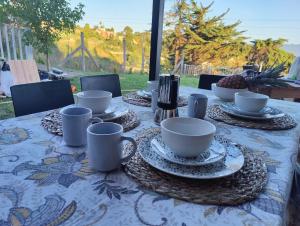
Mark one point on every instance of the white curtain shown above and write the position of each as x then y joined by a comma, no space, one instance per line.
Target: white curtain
6,81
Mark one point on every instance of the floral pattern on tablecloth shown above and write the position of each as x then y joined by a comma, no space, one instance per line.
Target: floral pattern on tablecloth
63,169
44,182
13,136
53,211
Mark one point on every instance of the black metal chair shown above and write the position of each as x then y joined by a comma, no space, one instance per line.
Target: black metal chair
42,96
109,83
205,80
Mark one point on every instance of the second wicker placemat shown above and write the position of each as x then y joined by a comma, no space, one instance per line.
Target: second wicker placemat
135,99
239,188
282,123
52,122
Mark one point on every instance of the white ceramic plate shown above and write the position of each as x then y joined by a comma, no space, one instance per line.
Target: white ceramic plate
144,94
112,113
259,113
215,153
268,112
265,110
232,163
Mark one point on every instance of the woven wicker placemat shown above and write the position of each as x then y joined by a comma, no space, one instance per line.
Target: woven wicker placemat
282,123
135,99
52,122
241,187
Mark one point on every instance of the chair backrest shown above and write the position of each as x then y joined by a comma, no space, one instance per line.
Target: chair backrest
205,80
109,83
24,71
42,96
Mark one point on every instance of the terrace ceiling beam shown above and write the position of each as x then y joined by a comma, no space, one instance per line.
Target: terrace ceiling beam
156,38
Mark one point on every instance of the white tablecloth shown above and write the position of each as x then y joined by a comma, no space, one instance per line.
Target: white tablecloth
42,181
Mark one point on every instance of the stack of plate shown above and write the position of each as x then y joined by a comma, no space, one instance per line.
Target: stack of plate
220,160
112,113
267,113
144,94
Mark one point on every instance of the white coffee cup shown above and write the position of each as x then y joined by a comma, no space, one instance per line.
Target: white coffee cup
104,147
97,100
250,102
75,121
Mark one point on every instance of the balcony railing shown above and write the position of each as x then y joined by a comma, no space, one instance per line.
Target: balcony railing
11,43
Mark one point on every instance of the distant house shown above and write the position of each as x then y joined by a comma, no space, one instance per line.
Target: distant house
106,33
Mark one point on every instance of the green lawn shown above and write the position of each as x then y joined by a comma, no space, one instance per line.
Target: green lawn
129,83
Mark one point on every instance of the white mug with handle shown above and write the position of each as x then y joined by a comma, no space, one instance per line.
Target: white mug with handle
104,149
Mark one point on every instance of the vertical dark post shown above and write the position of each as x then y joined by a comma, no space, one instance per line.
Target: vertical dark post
143,55
82,52
156,38
124,53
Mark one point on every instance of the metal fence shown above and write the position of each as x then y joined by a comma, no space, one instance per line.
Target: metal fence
195,70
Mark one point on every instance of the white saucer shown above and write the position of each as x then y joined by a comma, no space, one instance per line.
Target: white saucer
232,163
251,113
215,153
112,113
265,114
144,94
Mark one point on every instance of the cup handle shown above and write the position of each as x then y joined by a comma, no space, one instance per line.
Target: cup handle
95,120
75,99
128,157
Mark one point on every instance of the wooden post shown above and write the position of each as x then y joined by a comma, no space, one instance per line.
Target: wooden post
20,44
13,41
1,44
82,52
124,54
69,56
143,55
68,46
181,64
156,38
83,49
7,42
91,57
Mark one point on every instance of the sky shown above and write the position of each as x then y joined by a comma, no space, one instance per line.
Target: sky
260,19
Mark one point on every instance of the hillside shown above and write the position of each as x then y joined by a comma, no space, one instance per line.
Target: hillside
106,47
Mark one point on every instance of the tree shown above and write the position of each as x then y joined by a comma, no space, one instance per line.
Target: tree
177,39
3,12
268,52
202,38
46,21
128,33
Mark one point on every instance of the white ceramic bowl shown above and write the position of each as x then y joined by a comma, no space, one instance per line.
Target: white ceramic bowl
187,137
225,94
97,100
251,102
